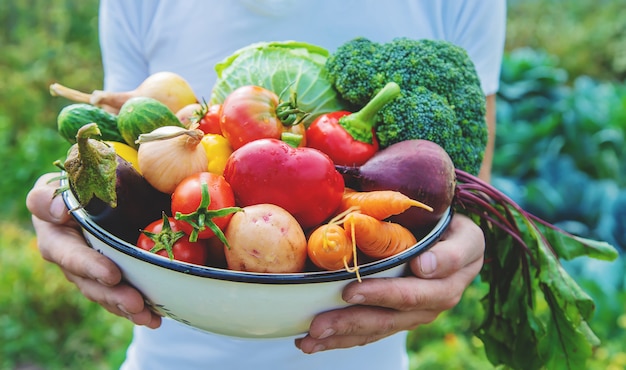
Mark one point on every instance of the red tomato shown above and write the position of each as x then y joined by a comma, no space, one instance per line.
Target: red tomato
302,180
210,121
188,114
165,237
203,215
249,113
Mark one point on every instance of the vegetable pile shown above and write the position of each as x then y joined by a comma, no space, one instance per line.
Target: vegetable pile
304,160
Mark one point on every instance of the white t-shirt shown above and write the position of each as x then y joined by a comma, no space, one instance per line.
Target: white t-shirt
189,37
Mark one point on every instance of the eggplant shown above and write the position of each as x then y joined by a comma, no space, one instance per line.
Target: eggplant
138,204
109,189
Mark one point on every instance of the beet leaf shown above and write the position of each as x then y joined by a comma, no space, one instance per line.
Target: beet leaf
536,315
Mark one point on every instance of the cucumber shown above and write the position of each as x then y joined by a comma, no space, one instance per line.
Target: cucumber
75,116
141,115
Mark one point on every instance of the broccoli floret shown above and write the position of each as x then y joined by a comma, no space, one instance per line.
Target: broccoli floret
354,71
441,99
431,118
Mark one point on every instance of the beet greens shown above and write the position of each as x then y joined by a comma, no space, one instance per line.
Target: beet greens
524,275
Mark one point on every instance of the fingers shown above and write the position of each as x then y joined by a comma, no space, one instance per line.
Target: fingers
408,294
462,245
454,262
42,203
60,241
359,325
121,300
65,246
96,276
383,307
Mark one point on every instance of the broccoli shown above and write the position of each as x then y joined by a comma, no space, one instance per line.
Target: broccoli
441,97
356,82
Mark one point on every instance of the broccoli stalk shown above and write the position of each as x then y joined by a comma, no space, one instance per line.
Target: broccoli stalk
360,124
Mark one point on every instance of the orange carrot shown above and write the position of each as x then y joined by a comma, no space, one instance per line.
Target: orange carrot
379,204
330,248
376,238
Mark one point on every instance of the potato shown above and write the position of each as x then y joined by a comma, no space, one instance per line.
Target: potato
265,238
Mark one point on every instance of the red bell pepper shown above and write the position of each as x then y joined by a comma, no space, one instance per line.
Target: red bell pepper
349,139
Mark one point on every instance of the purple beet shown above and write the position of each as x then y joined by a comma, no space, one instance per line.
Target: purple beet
420,169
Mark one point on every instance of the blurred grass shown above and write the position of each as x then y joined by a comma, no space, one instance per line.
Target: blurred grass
45,321
588,36
42,42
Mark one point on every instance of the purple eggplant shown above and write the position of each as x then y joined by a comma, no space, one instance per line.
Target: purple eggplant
108,187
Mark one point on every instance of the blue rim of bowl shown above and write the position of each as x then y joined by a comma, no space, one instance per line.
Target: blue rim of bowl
82,217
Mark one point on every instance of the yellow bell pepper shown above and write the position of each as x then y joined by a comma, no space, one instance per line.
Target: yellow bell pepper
127,152
218,150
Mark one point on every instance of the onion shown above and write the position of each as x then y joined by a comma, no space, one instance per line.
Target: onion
169,154
169,88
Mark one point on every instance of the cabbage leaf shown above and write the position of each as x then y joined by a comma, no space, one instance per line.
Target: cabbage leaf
282,67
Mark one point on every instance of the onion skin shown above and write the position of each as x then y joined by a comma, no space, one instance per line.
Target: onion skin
420,169
169,154
169,88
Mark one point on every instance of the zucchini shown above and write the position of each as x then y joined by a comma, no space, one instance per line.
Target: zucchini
75,116
142,115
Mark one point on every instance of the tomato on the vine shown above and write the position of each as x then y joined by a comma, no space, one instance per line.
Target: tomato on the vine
204,202
166,238
252,112
209,122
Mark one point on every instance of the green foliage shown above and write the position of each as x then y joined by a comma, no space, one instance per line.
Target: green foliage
44,320
42,42
540,112
449,341
561,150
561,146
587,36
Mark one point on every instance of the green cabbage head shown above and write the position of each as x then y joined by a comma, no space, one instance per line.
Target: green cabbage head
282,67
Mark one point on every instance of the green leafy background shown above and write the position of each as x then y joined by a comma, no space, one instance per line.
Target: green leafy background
560,154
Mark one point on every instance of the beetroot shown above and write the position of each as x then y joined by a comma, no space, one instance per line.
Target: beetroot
420,169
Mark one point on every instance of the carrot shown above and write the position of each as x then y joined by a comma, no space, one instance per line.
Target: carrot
330,248
376,238
379,204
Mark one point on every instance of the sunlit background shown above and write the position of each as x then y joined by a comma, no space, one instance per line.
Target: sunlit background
561,154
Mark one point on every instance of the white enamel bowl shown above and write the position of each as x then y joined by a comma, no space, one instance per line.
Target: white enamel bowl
239,304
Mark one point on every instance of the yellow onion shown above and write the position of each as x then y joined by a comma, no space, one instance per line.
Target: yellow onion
169,154
167,87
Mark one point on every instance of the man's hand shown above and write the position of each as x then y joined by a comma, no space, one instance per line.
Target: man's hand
382,307
60,241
